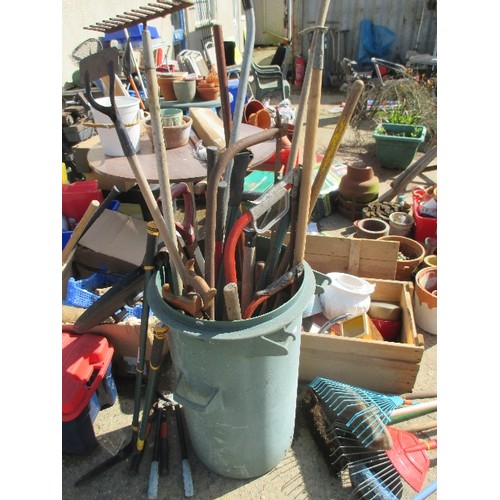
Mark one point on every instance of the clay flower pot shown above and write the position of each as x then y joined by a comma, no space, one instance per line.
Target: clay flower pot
251,107
371,228
208,93
166,84
175,136
185,90
413,253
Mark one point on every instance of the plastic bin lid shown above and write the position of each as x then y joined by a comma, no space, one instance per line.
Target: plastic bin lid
85,361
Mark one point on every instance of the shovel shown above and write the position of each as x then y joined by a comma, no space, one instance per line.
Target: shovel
93,67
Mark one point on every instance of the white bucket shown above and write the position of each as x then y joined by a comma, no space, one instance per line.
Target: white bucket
128,111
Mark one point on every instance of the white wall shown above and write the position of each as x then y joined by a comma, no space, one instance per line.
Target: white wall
77,14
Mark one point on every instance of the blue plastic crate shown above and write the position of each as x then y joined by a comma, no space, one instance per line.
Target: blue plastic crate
134,33
80,293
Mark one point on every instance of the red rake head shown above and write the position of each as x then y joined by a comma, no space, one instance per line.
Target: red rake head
409,456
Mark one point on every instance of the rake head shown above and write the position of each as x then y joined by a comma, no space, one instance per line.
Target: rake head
365,413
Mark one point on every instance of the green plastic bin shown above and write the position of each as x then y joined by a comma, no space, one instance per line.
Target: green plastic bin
237,381
394,151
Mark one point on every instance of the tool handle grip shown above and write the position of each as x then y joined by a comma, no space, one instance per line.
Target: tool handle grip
187,478
153,481
428,444
164,455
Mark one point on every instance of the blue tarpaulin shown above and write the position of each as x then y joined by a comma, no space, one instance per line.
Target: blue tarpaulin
374,41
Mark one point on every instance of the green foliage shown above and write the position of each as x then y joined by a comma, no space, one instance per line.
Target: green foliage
416,100
399,115
415,131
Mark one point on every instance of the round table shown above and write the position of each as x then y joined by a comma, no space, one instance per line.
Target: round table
183,165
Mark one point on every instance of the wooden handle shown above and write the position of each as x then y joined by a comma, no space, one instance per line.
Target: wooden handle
232,301
79,229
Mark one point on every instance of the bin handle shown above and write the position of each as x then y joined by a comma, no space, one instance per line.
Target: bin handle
197,396
272,347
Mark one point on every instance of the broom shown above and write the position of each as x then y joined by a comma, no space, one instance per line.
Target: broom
366,413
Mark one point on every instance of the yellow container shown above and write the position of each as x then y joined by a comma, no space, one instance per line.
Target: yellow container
64,174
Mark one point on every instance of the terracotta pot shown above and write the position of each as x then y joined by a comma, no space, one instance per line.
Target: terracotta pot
371,228
261,118
208,93
425,299
166,84
401,224
359,184
414,254
175,136
251,107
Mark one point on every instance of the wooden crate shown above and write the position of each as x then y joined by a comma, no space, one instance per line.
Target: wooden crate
358,256
377,365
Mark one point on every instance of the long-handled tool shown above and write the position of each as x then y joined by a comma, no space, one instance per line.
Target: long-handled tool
187,477
78,232
159,335
126,451
212,184
310,135
96,63
155,460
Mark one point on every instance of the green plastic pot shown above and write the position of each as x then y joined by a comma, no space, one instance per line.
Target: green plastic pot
397,151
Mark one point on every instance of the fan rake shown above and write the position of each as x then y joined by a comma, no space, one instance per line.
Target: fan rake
366,413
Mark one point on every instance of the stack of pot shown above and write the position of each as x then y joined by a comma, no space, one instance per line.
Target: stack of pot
358,187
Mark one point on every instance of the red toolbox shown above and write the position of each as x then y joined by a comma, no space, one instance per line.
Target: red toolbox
87,386
77,197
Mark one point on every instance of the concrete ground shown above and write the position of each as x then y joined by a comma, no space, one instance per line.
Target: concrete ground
303,473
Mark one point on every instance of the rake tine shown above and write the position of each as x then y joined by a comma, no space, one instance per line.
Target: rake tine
382,484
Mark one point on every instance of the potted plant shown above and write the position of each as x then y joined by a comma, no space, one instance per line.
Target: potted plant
398,137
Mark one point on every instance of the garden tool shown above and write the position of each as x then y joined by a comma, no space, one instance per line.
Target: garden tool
334,144
153,471
261,207
80,228
211,203
127,64
99,63
241,94
187,477
280,284
371,471
126,451
159,334
314,100
366,412
186,467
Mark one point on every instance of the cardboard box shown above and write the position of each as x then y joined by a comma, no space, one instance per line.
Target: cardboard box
383,366
117,235
208,127
358,256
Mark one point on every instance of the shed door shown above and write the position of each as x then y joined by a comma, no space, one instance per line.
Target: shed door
270,17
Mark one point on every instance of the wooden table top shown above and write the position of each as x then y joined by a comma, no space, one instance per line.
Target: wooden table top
183,165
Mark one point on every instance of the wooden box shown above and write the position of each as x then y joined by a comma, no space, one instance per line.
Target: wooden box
383,366
358,256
